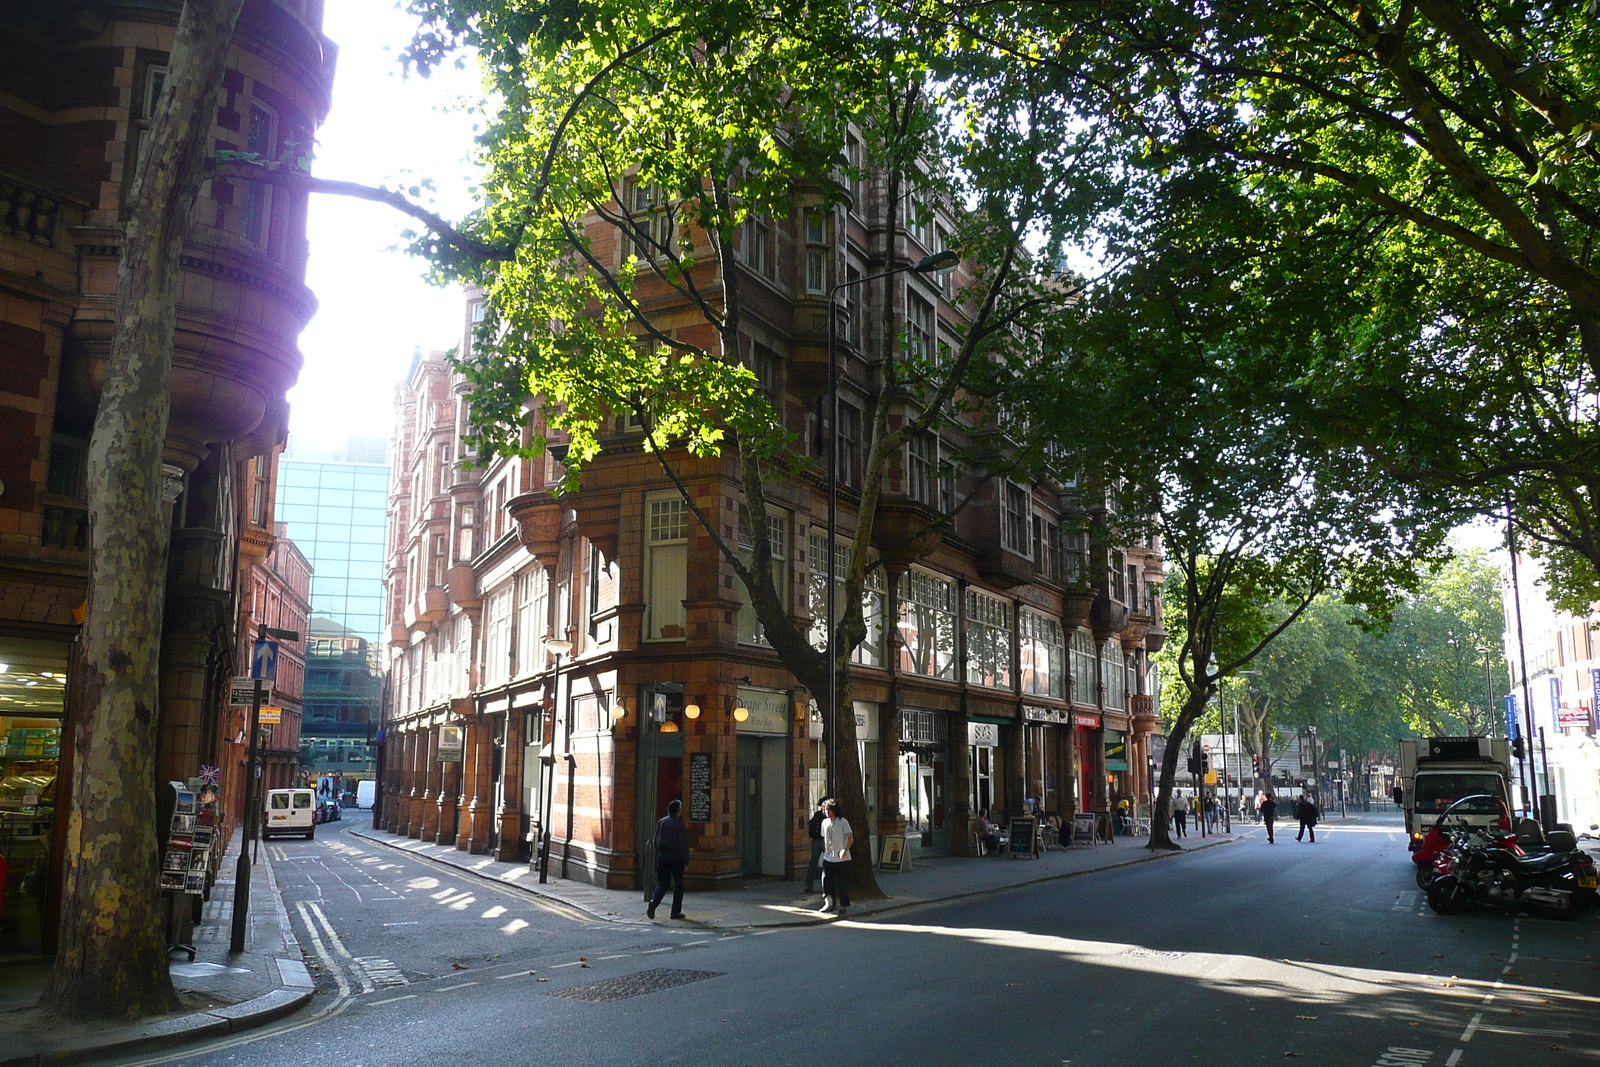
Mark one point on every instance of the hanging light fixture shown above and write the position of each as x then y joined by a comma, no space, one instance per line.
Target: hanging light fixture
741,713
692,711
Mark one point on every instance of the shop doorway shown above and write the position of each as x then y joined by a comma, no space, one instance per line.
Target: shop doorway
748,784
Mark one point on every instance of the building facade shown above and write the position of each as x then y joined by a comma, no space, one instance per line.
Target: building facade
337,501
1005,669
1562,689
79,83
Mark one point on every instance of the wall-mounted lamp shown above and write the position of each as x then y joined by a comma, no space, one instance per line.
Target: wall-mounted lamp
692,711
619,712
741,713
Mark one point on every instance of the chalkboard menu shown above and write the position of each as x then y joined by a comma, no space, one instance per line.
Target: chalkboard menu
1021,837
699,787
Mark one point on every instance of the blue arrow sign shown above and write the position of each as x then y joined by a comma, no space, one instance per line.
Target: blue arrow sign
264,661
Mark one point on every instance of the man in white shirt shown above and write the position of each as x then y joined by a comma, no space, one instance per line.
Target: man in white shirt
837,840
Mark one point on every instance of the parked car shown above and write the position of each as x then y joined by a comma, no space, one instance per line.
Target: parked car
328,810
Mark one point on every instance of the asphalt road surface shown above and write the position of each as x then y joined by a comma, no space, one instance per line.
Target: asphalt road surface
1248,953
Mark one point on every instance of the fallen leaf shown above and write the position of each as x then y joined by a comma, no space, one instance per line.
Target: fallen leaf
581,959
583,966
533,972
1438,955
1313,1018
1514,1011
1292,1053
1324,942
1557,1048
544,979
458,966
1413,1024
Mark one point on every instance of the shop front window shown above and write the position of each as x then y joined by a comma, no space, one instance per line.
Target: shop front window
33,679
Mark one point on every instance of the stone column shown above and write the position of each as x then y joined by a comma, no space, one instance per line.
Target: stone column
476,801
408,788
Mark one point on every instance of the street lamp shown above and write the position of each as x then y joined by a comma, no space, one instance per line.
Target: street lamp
938,263
560,647
241,870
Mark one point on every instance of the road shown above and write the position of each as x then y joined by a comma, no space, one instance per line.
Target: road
1248,953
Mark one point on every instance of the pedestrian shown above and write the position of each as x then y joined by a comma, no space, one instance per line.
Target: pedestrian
672,856
1307,811
1213,812
1267,811
1180,815
1261,798
814,828
988,834
837,840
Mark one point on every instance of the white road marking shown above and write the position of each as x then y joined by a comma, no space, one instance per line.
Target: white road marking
686,944
409,922
654,951
558,966
328,961
391,1000
1455,1058
338,947
450,988
619,956
1472,1027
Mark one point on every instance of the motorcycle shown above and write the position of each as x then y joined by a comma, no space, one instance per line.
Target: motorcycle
1482,867
1438,838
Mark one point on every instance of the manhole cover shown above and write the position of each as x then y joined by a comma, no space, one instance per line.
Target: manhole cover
633,985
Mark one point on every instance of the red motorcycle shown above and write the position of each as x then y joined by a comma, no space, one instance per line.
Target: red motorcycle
1430,855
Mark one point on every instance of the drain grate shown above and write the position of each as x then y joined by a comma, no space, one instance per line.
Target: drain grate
633,985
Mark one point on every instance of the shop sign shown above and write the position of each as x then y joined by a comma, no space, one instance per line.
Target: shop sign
1514,721
866,721
1568,717
983,734
452,744
1116,751
270,715
1035,714
769,712
1087,722
699,787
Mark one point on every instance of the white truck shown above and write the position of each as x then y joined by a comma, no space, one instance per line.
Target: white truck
1435,772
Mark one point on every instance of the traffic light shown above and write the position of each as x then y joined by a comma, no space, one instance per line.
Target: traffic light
1516,747
1255,765
1195,754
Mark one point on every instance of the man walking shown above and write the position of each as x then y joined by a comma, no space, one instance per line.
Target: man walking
1308,812
814,828
1267,810
672,856
837,840
1180,815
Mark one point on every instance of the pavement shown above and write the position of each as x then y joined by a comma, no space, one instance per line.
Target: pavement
223,992
767,903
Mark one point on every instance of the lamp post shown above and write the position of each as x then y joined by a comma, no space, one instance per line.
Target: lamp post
560,647
939,262
251,821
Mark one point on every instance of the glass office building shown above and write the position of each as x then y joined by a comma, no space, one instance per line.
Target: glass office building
337,506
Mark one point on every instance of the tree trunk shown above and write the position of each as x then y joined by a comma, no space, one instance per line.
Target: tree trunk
1161,818
112,961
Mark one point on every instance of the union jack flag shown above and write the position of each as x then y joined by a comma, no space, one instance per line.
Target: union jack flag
209,773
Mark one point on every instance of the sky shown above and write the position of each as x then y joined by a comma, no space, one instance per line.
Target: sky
374,307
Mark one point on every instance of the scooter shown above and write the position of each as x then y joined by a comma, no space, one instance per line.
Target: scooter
1438,838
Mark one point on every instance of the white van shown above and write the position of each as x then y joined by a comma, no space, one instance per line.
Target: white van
366,792
290,813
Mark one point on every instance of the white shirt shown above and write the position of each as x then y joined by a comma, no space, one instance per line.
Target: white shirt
835,840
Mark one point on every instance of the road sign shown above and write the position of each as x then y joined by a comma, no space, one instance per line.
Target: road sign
1211,778
264,661
270,714
241,692
1205,748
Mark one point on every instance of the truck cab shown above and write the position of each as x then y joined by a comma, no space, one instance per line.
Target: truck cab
1436,772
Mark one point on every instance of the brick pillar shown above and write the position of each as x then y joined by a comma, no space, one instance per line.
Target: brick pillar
447,801
419,782
889,817
476,800
408,785
510,814
429,808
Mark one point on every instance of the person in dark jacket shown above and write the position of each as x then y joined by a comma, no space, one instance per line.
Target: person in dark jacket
672,856
1267,809
1308,811
814,828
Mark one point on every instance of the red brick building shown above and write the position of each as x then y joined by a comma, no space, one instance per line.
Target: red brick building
1007,661
78,84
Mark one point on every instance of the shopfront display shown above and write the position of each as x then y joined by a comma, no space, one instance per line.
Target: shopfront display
924,746
33,676
1086,759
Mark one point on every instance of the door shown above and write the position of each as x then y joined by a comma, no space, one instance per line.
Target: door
925,803
748,786
497,782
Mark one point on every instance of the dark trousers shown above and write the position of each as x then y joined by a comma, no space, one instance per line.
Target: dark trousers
836,882
814,868
1268,819
669,868
1307,828
1180,822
